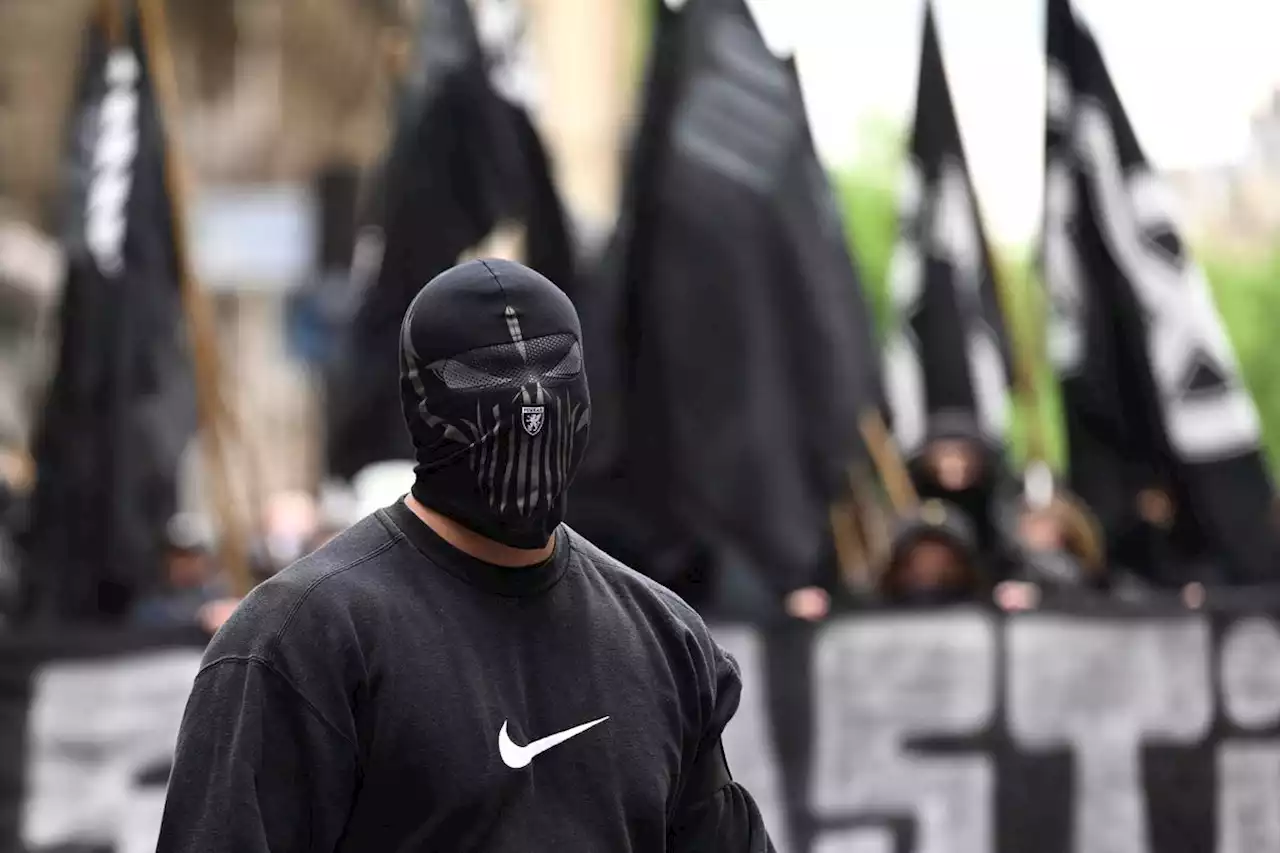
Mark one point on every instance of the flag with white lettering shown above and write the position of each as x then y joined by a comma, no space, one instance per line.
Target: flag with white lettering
120,409
1152,393
965,731
729,343
465,159
1044,732
948,354
88,722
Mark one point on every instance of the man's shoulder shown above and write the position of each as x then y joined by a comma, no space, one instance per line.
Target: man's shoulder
359,545
680,630
638,586
318,590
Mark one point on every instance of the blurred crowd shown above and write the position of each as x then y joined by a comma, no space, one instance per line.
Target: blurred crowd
980,534
704,258
194,587
977,535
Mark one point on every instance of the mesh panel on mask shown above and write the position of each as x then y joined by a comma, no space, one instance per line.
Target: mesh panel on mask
548,359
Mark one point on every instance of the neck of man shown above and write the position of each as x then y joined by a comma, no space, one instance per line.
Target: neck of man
473,544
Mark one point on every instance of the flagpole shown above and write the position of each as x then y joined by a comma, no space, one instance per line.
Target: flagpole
888,461
1025,359
210,405
111,20
857,550
397,45
852,554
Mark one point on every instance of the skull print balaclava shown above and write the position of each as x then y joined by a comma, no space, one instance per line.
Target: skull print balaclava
495,397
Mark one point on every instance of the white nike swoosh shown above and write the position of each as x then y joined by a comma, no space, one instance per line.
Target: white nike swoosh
515,756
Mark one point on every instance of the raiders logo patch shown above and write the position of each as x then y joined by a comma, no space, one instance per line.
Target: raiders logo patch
533,417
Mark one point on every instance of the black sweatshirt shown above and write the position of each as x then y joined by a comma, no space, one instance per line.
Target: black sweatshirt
390,693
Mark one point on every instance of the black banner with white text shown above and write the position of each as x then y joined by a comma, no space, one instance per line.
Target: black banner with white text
971,732
957,732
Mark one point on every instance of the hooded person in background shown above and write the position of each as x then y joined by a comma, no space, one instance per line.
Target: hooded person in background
461,671
1059,554
933,559
957,466
191,579
1062,556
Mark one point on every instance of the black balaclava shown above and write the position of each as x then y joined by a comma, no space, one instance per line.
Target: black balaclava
495,397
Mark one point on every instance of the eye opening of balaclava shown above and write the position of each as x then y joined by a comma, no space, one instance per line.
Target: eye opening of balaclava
495,396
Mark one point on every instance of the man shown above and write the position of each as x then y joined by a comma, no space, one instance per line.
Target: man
1062,557
933,559
192,584
460,671
958,466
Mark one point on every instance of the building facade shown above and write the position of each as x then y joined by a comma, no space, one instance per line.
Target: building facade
1236,206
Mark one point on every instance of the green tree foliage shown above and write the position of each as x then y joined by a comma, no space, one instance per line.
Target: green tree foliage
1247,291
869,196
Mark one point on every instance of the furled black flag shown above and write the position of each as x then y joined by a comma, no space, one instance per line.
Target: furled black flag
120,409
1153,396
465,158
947,359
728,342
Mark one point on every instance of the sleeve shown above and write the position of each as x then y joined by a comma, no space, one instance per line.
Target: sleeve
230,793
715,812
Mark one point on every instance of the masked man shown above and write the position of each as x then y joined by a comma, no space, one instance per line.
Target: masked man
460,671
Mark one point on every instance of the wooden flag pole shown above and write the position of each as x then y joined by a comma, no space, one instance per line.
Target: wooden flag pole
1026,391
1028,358
398,51
210,405
851,551
888,461
874,525
111,20
856,546
856,553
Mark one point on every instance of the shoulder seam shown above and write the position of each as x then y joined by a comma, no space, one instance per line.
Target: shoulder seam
293,688
306,593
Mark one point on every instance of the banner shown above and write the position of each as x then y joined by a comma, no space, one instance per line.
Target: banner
88,724
465,162
120,410
728,317
948,352
1153,400
960,732
970,732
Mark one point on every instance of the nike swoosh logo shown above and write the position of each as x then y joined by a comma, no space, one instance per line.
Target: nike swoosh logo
516,756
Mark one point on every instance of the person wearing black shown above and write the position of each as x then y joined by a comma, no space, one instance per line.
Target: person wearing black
960,467
460,671
1062,555
933,559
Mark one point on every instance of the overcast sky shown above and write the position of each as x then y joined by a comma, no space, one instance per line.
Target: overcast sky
1191,74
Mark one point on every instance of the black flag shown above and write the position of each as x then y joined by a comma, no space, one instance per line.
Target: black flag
1153,396
120,409
948,356
465,158
730,347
